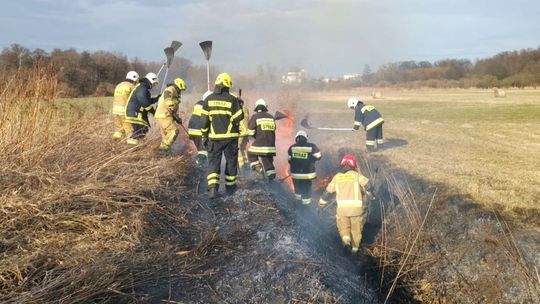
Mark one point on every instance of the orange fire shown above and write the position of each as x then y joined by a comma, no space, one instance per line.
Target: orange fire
284,139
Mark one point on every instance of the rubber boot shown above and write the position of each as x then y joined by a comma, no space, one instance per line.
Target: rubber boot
370,149
230,190
380,147
212,192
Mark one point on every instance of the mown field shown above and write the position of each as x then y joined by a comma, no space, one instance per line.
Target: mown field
476,144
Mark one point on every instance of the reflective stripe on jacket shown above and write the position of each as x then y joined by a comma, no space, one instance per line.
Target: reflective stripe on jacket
262,126
302,158
367,116
221,114
349,187
194,124
139,104
121,95
168,102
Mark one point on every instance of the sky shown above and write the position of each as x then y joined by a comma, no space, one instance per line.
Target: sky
326,37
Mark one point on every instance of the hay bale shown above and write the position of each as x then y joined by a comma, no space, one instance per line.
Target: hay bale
376,94
499,93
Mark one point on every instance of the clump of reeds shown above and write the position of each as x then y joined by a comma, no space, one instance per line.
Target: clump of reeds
74,205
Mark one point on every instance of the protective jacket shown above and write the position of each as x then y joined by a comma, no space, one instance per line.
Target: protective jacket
168,102
367,116
243,127
140,104
121,95
194,124
349,187
221,114
302,158
262,126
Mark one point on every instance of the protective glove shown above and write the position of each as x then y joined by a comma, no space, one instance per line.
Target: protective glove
177,118
205,142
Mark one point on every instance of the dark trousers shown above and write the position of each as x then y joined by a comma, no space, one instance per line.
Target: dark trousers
267,162
302,190
375,136
202,154
217,149
139,131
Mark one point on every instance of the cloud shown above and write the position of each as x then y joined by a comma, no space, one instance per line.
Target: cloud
324,36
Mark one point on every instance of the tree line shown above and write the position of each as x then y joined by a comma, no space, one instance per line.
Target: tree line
508,69
96,73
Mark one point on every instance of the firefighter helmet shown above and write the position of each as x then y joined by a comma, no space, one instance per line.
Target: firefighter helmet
348,160
206,94
153,78
224,79
301,133
260,102
132,75
352,102
180,83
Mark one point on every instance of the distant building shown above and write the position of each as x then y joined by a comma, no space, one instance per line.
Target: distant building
352,76
294,77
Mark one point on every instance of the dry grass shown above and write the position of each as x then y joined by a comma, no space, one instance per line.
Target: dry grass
76,209
482,146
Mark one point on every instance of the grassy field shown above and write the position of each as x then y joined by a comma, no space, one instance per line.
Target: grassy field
476,144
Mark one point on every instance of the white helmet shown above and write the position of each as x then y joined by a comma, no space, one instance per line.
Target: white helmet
301,133
352,102
206,94
260,102
152,77
132,75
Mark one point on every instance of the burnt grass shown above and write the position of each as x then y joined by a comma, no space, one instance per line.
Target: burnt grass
259,246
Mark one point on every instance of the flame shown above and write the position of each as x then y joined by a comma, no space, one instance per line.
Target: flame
284,139
321,184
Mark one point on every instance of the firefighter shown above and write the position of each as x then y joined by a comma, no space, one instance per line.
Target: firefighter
349,187
371,119
244,138
121,94
261,153
138,106
167,113
221,114
302,158
194,130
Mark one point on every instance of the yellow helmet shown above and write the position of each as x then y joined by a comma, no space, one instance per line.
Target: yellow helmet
180,83
225,80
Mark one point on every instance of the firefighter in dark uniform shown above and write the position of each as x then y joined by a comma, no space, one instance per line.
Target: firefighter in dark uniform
302,158
371,119
194,130
221,114
262,126
139,104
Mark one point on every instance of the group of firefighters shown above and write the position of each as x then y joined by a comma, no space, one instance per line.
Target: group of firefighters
220,127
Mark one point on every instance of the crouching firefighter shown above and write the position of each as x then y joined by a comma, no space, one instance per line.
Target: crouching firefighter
121,95
302,158
139,104
167,113
371,119
221,114
349,187
194,130
262,126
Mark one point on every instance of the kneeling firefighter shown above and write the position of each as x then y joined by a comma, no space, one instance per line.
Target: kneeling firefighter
167,113
262,126
139,104
349,187
221,114
194,129
302,158
121,95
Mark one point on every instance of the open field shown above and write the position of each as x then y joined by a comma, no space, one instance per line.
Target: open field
477,144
